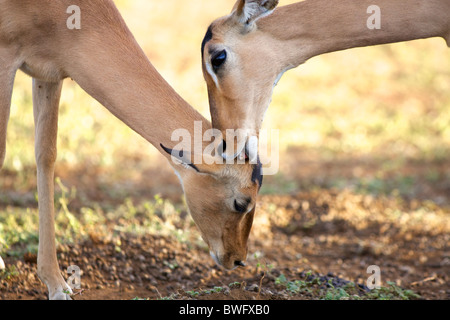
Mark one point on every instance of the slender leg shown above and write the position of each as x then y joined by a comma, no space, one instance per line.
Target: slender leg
46,105
7,74
6,86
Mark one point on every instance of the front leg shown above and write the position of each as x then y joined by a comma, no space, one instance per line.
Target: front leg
8,68
46,104
7,73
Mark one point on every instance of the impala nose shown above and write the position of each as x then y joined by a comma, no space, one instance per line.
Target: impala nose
239,263
234,149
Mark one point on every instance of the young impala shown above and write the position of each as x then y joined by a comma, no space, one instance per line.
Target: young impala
105,60
246,52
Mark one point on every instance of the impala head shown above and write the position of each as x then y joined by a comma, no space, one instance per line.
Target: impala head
221,199
240,69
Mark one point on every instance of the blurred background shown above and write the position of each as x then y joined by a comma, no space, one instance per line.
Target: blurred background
364,142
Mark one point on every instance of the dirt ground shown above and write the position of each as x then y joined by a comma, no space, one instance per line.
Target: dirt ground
329,234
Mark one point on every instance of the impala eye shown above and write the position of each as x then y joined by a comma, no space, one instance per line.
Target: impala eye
218,60
241,207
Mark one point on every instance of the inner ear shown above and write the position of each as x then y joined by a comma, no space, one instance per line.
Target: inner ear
181,156
249,11
207,166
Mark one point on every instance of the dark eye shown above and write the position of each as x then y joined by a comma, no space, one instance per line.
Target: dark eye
218,60
240,207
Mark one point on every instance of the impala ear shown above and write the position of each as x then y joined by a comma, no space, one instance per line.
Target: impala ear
248,11
208,165
180,156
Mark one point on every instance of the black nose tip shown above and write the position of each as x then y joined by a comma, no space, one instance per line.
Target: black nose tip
239,263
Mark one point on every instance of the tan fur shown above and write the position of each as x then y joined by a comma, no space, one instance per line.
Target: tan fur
106,61
258,53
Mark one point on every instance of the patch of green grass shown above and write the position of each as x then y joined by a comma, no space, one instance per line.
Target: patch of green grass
193,293
336,294
235,284
158,216
392,291
325,290
19,227
9,272
213,290
296,286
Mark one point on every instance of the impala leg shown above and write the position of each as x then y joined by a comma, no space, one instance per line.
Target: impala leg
6,86
46,105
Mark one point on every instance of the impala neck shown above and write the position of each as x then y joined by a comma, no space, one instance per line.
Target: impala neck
313,27
113,69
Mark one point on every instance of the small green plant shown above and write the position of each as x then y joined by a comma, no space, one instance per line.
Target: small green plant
336,294
235,284
172,264
392,292
193,293
293,287
9,273
323,288
213,290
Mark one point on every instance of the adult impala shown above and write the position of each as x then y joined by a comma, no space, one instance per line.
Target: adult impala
246,52
106,61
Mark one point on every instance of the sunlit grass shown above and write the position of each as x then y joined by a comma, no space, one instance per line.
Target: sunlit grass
19,226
